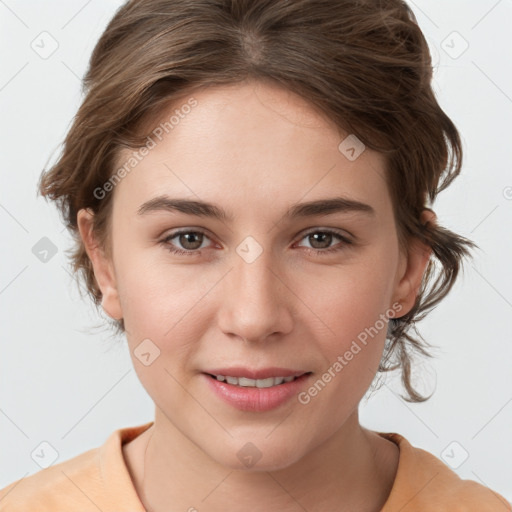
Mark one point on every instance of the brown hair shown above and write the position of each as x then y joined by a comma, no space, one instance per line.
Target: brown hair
365,64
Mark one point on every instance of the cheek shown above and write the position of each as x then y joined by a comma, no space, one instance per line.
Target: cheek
163,301
353,304
162,315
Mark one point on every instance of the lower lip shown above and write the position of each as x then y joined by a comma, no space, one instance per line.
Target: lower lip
256,399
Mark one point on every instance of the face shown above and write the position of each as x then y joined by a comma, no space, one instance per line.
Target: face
270,286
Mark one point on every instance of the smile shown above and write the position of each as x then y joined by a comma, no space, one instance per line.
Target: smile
255,383
273,388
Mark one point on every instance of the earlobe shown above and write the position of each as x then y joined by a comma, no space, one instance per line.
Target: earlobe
415,266
102,265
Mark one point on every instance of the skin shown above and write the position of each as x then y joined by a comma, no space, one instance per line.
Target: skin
254,149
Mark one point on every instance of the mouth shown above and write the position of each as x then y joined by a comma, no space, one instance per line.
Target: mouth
256,390
246,382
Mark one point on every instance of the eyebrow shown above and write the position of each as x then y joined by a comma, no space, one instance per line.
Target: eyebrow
320,207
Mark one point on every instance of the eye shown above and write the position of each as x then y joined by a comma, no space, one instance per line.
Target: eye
321,243
190,240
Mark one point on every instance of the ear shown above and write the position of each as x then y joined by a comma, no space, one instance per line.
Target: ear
102,265
412,268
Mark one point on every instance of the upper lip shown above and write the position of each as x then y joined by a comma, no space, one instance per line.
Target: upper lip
262,373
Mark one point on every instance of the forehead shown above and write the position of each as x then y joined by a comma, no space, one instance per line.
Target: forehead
251,144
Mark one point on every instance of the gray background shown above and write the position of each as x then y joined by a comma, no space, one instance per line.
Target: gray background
66,383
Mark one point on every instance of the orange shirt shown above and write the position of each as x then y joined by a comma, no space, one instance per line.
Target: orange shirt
99,480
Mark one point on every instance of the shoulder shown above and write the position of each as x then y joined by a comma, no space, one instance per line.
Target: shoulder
97,479
53,488
423,483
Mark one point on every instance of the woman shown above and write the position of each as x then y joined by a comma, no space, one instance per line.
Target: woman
250,183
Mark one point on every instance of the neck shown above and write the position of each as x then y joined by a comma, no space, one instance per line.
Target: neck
352,470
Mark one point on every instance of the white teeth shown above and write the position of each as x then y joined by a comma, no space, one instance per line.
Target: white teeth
266,383
258,383
242,381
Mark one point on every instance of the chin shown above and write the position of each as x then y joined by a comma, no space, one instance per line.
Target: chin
258,455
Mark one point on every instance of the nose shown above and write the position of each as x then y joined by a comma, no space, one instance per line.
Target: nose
255,301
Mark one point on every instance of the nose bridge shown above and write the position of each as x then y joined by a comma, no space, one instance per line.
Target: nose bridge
253,279
255,302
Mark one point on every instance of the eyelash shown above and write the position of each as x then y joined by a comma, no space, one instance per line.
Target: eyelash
319,252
